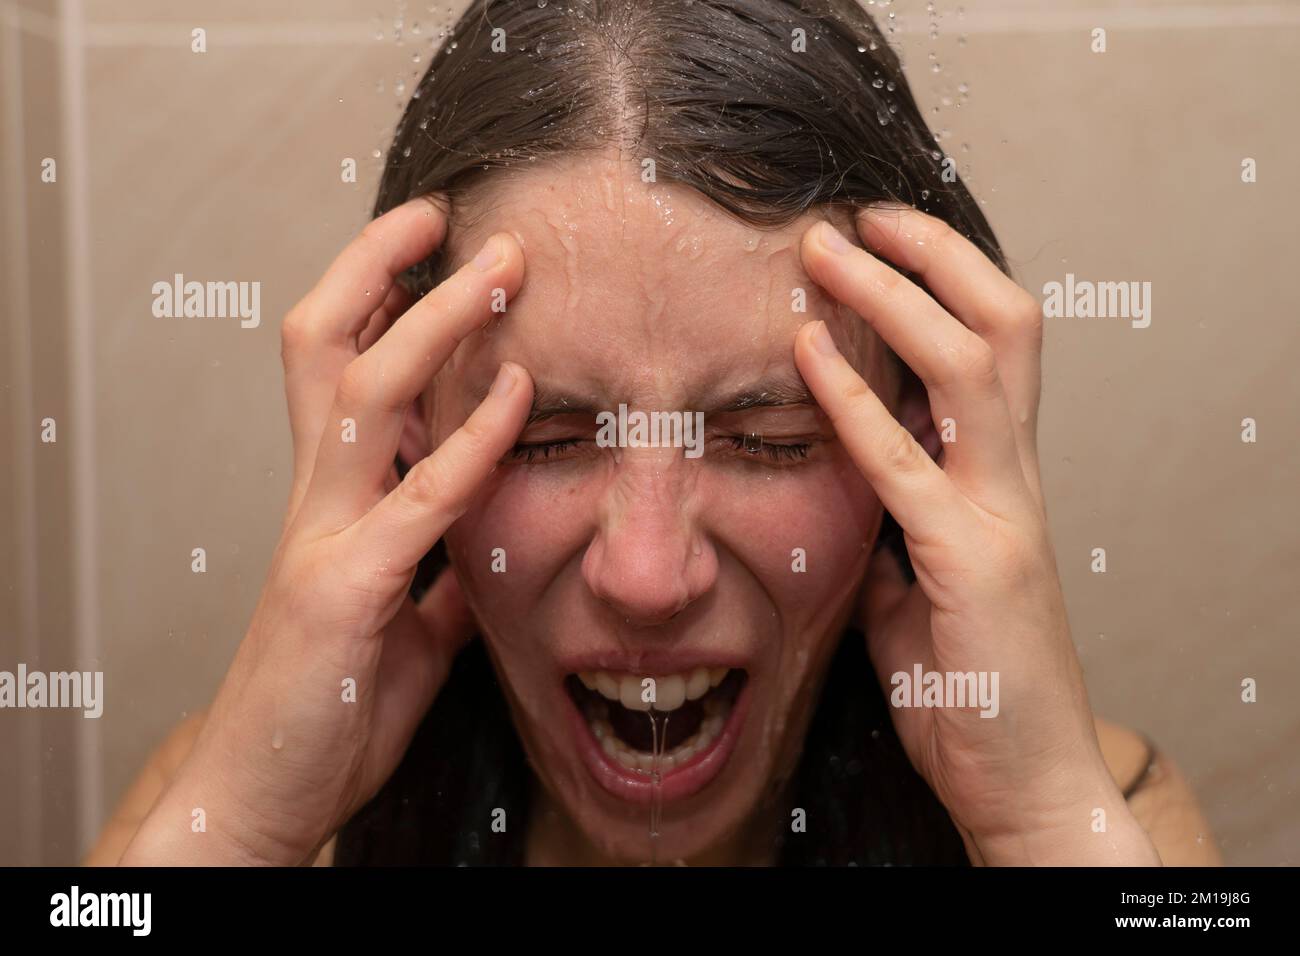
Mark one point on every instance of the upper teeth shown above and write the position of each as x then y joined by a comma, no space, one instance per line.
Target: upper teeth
670,691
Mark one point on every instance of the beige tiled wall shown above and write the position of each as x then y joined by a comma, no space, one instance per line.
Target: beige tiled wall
172,435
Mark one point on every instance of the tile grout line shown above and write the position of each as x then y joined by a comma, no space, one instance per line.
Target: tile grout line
76,225
30,806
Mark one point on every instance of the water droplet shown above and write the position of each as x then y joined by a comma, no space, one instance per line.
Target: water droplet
277,739
878,83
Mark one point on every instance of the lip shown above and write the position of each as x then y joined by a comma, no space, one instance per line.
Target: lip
678,783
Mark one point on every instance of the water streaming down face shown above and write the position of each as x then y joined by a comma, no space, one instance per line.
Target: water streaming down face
633,560
658,737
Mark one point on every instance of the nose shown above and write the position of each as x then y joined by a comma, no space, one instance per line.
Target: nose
649,559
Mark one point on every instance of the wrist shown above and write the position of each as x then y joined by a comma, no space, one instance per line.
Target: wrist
197,823
1097,828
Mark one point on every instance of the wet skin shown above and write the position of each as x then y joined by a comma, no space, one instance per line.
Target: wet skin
641,560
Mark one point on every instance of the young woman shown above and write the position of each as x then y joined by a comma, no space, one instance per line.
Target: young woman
731,208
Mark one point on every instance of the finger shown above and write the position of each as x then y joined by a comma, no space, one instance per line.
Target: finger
908,482
958,368
439,488
446,614
977,292
883,588
418,654
377,386
307,442
395,304
338,306
972,288
899,638
413,666
320,335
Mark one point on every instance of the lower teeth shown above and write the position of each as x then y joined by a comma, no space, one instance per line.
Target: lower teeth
680,755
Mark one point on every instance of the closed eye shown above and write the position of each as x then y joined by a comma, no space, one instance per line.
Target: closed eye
795,451
528,452
540,452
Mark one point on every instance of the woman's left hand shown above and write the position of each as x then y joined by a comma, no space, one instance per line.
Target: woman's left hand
1024,786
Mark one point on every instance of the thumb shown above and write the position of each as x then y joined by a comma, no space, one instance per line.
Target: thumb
883,588
445,613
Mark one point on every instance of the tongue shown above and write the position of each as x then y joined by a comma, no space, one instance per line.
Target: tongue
633,726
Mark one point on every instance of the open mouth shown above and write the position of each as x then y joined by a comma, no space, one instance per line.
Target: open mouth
687,720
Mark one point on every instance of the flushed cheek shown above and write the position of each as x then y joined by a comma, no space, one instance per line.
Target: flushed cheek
802,538
510,536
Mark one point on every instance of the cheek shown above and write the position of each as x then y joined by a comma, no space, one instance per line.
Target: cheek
511,543
803,534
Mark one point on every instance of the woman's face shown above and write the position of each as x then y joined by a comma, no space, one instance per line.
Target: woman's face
591,568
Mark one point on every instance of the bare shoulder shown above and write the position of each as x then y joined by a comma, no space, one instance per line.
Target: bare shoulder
1159,796
148,785
326,855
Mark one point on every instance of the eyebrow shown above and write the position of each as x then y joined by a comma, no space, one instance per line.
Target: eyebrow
777,392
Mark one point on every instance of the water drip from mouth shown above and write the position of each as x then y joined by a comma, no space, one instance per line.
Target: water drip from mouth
658,737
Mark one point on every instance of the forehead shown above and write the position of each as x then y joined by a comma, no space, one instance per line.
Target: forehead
635,283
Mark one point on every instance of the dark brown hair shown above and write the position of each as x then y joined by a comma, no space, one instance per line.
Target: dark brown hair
727,97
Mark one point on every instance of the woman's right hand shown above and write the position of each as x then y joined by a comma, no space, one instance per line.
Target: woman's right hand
287,754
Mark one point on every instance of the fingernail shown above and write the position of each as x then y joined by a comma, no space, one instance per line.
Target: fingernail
488,256
832,240
504,382
822,341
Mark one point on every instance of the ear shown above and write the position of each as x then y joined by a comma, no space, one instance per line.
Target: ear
415,442
914,412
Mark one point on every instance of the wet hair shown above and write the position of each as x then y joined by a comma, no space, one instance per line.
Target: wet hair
722,95
771,109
